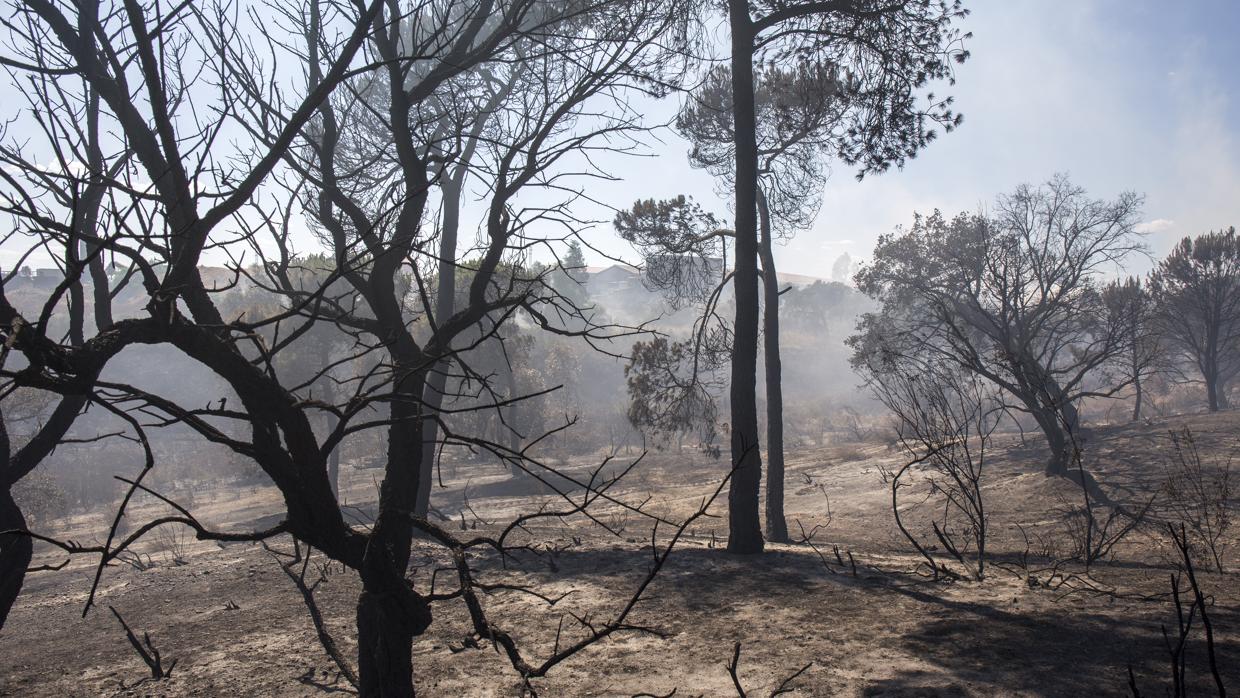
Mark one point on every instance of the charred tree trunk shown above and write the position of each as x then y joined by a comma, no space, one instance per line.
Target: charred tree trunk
1216,387
15,553
744,528
1210,373
1051,408
1058,438
507,428
390,614
77,297
433,399
95,264
776,524
1211,365
1136,406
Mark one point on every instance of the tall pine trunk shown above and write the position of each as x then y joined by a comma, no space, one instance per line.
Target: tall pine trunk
776,524
445,304
744,527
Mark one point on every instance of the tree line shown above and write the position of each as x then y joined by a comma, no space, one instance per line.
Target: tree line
1031,299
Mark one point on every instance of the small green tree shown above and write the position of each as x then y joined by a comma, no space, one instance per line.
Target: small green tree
667,397
570,278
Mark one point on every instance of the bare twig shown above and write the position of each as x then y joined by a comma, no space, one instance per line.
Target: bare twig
146,649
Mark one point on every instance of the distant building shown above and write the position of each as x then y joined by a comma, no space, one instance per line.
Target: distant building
615,278
20,278
786,279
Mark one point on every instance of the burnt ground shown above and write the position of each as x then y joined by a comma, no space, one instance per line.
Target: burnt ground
883,630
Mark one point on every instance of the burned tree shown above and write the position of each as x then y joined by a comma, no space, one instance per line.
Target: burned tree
796,113
945,417
373,67
890,53
853,93
1013,297
672,385
1132,312
1196,292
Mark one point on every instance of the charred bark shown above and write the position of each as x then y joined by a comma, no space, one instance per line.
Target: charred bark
390,614
744,529
15,553
445,302
1216,394
776,524
1057,439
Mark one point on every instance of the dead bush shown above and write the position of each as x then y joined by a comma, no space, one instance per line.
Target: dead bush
1198,495
174,544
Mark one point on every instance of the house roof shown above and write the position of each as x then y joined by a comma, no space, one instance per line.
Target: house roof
796,279
617,267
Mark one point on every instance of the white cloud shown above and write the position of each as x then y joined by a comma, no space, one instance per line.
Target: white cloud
1158,225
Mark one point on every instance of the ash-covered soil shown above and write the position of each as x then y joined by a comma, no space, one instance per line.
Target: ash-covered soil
236,625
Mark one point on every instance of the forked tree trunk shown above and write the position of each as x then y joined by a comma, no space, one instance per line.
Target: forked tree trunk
389,616
1056,416
776,524
744,528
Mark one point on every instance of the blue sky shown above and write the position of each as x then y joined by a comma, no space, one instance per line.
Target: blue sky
1120,94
